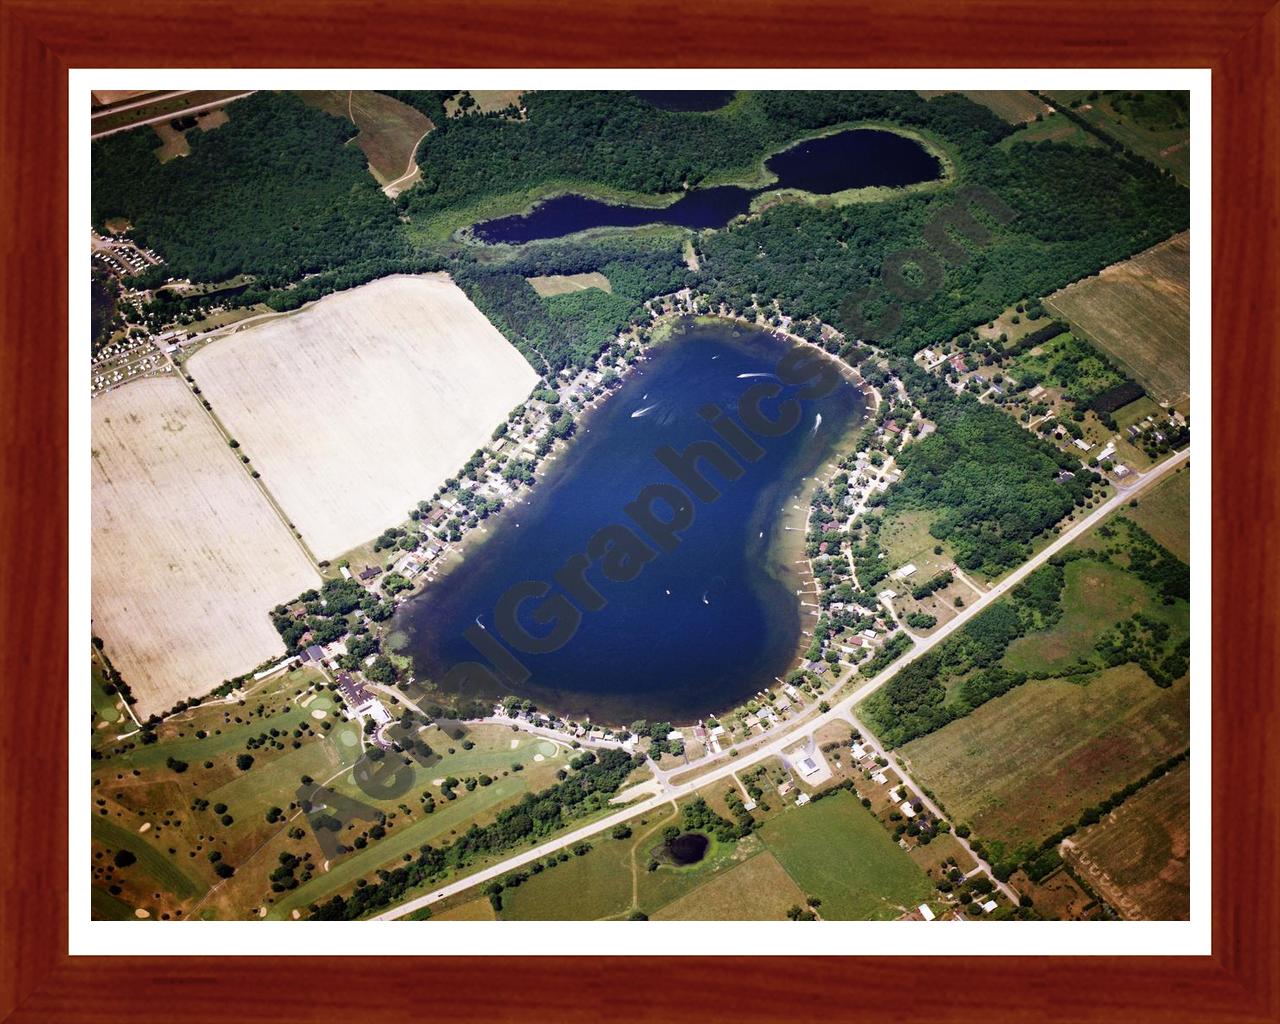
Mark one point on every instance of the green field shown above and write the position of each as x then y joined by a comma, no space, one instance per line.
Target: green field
1054,128
1165,513
756,890
153,863
1095,597
836,850
1153,125
1025,764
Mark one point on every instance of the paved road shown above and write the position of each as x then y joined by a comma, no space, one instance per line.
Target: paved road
843,711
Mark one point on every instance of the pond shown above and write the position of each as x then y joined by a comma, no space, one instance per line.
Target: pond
703,623
833,163
696,100
686,848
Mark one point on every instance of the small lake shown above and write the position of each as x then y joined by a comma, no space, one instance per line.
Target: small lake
686,848
692,100
851,159
702,626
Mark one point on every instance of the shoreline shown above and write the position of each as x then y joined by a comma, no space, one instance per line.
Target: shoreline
787,561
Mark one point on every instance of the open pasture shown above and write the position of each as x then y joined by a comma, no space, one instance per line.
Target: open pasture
358,407
1026,763
564,284
389,130
835,849
1165,513
1013,105
1137,858
1139,312
188,557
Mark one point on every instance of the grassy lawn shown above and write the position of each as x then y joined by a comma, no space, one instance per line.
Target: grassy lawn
565,284
1095,598
587,888
756,890
154,864
1165,513
834,849
1054,128
1028,762
472,910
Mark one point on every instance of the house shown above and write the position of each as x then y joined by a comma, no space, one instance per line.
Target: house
892,427
790,691
785,788
1120,469
907,570
369,572
802,799
437,516
925,912
675,735
346,573
907,810
1107,452
854,642
859,751
784,703
820,669
822,548
1064,475
870,634
957,364
989,906
879,778
313,653
1082,444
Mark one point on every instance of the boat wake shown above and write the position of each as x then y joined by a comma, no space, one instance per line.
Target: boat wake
640,412
745,376
816,424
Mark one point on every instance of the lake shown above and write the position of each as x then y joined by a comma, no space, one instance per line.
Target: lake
703,626
850,159
696,100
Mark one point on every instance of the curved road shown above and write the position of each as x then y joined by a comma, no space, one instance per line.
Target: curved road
842,711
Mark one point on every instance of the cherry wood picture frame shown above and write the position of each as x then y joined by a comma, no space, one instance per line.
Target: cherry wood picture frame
39,41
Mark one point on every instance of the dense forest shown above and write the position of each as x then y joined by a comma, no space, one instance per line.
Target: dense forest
570,330
275,192
993,484
1076,211
618,140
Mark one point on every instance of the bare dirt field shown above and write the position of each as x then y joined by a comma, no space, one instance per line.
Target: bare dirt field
563,284
188,556
1137,857
359,406
1139,312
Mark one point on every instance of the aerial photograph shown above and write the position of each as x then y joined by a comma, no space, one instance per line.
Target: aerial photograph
617,505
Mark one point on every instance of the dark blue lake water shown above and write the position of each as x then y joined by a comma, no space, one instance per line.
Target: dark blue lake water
833,163
702,626
697,100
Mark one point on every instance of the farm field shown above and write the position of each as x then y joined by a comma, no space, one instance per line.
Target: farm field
188,557
1139,313
563,284
1153,125
1013,105
1165,513
836,850
1137,857
326,401
389,130
1024,764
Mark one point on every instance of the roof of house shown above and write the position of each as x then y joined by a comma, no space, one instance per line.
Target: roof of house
369,572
